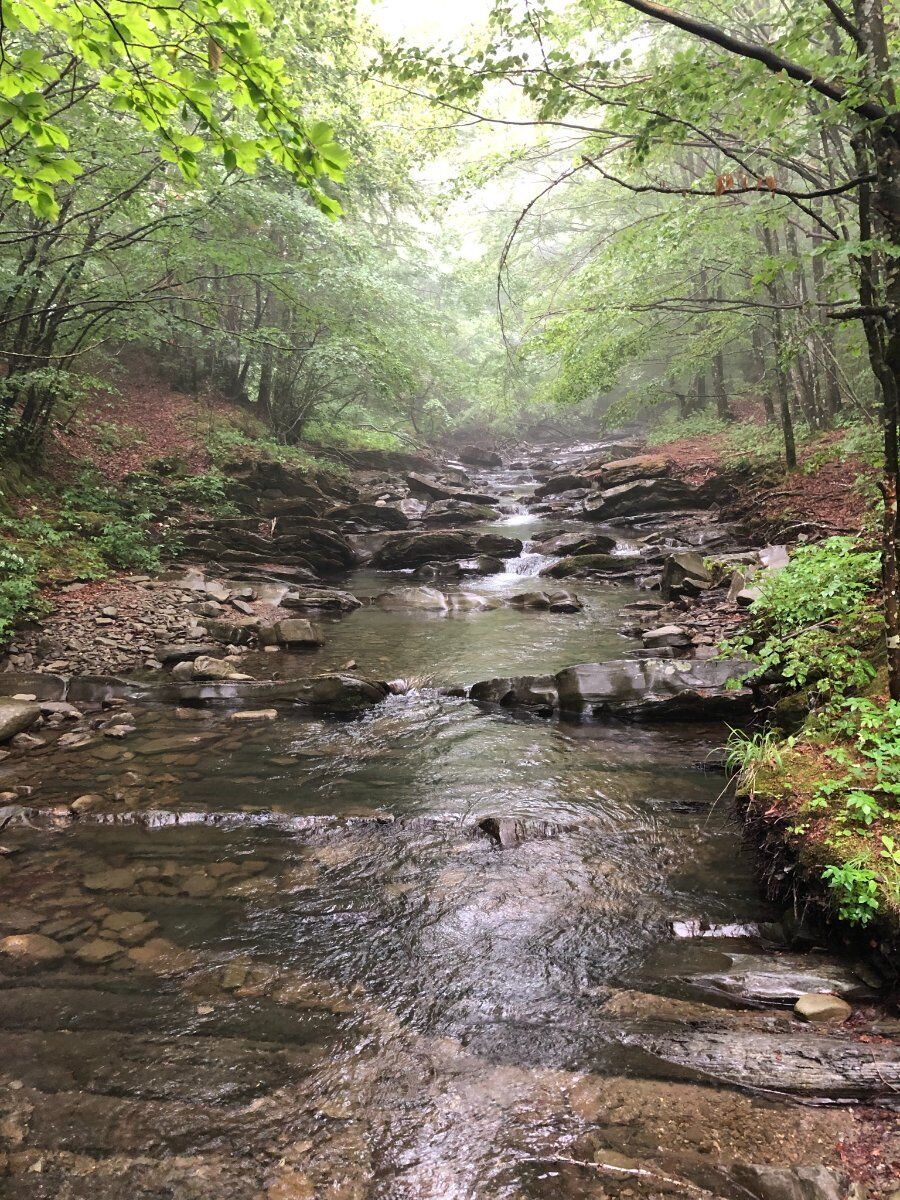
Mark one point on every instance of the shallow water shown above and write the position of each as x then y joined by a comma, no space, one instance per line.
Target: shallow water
334,983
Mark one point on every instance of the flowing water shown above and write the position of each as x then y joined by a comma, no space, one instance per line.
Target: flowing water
299,966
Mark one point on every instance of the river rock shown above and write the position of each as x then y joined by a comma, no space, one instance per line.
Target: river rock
655,689
475,456
295,631
315,599
207,667
168,655
557,484
482,564
238,632
680,569
665,635
340,692
784,978
822,1008
407,550
369,516
426,599
458,512
640,496
526,691
498,545
16,716
579,543
31,949
582,566
639,466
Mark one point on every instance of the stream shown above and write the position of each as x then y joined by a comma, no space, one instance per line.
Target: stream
434,952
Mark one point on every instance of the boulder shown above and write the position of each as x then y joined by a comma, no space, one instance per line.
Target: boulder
406,550
497,545
458,512
296,631
639,496
561,602
426,599
241,631
680,569
369,516
655,689
665,635
523,691
340,692
747,596
626,470
31,949
207,667
320,599
475,456
557,484
16,716
578,543
482,564
581,566
763,1182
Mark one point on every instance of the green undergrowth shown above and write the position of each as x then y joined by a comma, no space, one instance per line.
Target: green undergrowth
753,444
225,444
89,527
826,772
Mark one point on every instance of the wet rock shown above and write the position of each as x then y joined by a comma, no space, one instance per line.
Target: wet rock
44,686
458,512
655,689
207,667
680,570
183,671
15,717
560,602
241,631
498,545
557,484
582,566
639,496
475,456
98,950
344,693
295,631
254,714
784,978
319,599
482,564
627,470
426,599
369,516
31,949
527,691
407,550
117,879
666,635
822,1008
576,543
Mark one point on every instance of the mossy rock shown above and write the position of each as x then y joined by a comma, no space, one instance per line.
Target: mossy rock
790,713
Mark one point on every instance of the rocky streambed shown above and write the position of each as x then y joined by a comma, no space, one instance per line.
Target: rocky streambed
380,850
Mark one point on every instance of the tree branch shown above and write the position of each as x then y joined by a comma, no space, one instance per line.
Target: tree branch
762,54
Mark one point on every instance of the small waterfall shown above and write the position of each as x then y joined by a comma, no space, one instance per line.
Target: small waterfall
529,563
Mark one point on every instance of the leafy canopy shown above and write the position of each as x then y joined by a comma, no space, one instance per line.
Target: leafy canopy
193,73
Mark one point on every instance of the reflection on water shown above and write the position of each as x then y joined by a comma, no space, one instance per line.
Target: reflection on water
294,962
